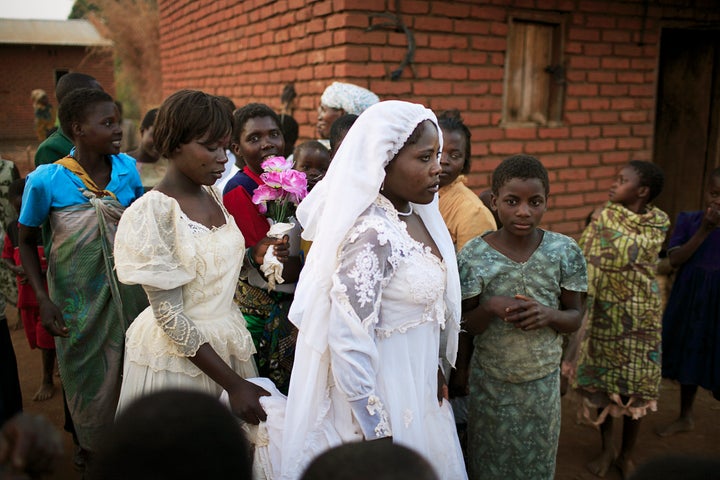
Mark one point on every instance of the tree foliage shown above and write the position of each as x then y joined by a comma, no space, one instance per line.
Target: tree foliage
133,26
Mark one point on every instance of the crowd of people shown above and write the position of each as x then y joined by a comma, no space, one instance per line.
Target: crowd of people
404,318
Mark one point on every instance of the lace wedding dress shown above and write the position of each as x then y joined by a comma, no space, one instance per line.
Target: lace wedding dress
160,248
384,341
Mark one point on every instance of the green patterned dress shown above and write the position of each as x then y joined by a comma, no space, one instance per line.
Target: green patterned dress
514,410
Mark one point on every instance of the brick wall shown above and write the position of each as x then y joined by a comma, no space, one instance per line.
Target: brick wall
248,50
28,67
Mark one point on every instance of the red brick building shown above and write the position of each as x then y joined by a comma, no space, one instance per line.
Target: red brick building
585,85
35,54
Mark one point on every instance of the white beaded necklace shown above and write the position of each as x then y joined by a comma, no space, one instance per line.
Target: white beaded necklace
406,214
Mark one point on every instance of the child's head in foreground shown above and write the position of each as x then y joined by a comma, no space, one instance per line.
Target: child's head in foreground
376,460
173,434
312,158
520,188
637,184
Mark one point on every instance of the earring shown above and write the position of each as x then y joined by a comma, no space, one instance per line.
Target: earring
382,186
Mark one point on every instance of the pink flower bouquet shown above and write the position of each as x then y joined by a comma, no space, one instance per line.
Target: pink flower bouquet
277,199
283,189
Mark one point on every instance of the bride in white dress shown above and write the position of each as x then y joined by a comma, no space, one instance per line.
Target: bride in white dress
182,246
379,289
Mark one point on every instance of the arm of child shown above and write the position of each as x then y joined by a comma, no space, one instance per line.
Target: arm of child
530,314
50,315
680,254
9,257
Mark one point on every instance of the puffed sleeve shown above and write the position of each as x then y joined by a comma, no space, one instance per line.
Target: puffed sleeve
153,246
37,199
471,279
573,269
358,283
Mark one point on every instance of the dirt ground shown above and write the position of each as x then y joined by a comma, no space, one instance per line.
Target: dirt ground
578,443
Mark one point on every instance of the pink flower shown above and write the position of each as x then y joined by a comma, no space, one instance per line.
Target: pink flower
295,183
282,190
273,178
276,164
265,193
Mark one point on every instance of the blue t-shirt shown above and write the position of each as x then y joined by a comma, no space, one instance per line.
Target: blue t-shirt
54,186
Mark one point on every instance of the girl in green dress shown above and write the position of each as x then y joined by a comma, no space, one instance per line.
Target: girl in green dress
522,289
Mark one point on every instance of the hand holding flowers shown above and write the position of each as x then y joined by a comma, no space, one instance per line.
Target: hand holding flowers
278,198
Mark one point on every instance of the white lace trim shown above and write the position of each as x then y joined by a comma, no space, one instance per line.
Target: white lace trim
367,273
148,345
179,328
376,407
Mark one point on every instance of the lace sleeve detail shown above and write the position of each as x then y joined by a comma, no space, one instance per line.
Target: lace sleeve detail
366,266
167,306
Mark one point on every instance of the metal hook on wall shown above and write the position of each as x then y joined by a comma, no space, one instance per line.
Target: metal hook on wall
396,24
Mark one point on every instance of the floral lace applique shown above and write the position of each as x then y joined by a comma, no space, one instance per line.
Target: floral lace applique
407,417
367,273
374,407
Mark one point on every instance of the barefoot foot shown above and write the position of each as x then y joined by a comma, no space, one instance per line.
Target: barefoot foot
600,465
685,424
46,392
626,466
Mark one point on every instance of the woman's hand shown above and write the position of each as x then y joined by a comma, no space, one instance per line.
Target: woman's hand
281,249
52,318
245,402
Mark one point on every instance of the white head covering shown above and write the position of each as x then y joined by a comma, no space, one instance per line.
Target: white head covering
349,97
351,184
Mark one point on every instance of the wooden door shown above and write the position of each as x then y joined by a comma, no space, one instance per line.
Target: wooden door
687,123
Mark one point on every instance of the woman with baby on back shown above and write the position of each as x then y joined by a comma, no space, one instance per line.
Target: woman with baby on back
522,289
80,198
